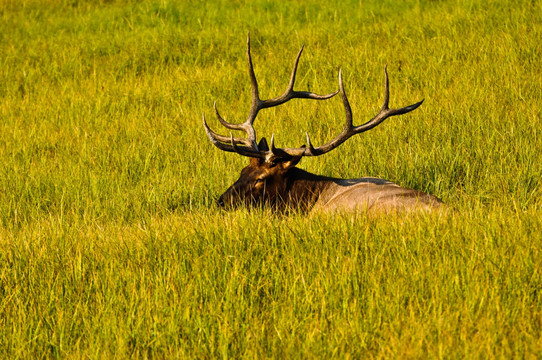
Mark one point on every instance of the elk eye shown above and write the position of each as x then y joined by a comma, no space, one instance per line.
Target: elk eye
260,180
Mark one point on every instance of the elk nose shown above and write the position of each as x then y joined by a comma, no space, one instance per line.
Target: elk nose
220,202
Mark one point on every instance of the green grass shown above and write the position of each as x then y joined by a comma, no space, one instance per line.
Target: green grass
110,242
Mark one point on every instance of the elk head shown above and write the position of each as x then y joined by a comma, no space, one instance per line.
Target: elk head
261,182
271,174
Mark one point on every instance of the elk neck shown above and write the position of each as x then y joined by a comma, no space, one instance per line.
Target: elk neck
304,188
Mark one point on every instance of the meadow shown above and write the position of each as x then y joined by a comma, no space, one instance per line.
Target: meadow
111,245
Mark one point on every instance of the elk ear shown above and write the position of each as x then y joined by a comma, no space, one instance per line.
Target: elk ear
290,163
262,145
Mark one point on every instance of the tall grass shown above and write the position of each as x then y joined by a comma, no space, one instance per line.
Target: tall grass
110,243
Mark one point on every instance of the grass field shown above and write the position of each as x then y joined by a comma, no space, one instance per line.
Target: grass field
111,245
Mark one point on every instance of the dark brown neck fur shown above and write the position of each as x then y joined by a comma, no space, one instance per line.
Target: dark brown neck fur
304,188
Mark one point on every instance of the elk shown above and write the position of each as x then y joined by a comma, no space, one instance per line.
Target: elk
272,178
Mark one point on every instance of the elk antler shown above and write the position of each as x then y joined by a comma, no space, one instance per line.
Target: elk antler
249,146
273,154
349,129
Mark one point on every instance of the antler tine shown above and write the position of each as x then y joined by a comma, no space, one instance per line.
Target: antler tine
290,87
290,93
347,109
253,81
248,125
309,144
215,138
385,104
224,122
246,151
221,141
385,112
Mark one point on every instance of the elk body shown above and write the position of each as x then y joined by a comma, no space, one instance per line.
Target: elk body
272,177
